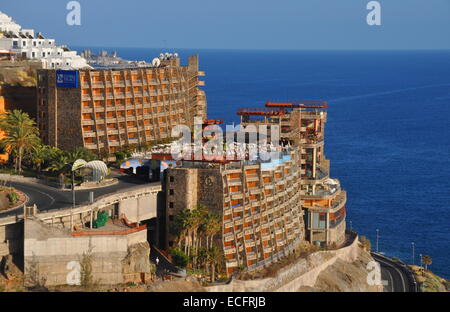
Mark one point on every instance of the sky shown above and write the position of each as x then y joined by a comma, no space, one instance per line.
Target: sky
240,24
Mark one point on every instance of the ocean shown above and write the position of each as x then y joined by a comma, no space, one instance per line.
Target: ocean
387,135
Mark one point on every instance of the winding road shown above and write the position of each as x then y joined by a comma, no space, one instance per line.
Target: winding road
395,274
49,198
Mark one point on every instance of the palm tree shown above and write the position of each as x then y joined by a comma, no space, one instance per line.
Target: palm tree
426,260
60,164
181,228
21,135
198,218
81,153
40,155
212,226
214,258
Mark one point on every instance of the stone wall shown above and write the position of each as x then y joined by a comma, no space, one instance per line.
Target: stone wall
53,251
302,273
11,238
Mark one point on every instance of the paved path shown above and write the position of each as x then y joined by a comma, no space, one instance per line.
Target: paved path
164,265
396,274
49,198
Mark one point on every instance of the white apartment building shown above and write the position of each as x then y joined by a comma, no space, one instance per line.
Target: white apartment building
25,43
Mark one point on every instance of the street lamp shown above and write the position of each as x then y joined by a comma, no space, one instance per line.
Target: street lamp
421,264
76,165
413,260
378,236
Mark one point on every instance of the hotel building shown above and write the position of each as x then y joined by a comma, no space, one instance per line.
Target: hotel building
259,202
106,109
302,124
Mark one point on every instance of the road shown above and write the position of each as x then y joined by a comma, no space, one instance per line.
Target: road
49,198
398,278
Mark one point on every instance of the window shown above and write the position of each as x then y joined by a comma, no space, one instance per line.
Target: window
171,192
171,205
170,218
34,43
171,179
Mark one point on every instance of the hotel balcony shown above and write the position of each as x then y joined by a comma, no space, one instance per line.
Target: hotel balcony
89,134
267,249
229,250
322,194
239,208
251,256
236,195
249,243
231,263
227,237
265,236
114,143
234,182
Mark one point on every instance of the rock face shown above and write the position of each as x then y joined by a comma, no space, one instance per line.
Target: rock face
345,277
137,259
137,262
342,269
8,269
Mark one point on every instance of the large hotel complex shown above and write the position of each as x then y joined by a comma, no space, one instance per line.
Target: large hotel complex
105,110
268,207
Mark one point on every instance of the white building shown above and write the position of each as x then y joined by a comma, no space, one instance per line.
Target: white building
25,43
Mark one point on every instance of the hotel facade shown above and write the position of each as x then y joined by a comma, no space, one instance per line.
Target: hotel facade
258,201
302,124
270,207
107,109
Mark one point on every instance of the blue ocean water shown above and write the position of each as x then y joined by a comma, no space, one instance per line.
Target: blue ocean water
387,135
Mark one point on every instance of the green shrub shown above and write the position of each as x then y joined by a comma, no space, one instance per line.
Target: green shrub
13,197
179,258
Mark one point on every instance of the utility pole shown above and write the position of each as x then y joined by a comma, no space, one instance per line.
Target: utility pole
378,236
421,265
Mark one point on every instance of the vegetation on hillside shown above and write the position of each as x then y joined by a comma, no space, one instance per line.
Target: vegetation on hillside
21,135
195,231
27,153
428,281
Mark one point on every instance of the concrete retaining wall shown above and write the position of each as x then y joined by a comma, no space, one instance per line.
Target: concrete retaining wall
52,250
11,238
290,279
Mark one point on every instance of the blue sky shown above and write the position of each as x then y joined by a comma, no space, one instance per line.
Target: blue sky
240,24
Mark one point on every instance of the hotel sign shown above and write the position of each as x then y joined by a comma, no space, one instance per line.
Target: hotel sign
67,78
